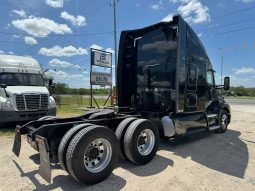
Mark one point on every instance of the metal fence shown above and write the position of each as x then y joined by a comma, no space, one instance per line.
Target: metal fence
76,99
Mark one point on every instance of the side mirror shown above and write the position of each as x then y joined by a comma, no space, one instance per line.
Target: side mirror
52,85
3,86
226,83
50,82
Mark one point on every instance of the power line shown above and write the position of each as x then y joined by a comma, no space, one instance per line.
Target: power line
236,30
11,42
86,4
58,35
98,9
234,12
228,24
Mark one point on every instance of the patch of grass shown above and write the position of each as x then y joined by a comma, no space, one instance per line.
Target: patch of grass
74,108
239,97
7,131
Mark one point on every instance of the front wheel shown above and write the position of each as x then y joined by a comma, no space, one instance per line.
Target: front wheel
223,121
141,141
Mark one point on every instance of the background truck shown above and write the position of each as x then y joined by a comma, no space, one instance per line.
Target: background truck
23,94
165,87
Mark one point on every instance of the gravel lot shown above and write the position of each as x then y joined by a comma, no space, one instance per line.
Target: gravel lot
204,162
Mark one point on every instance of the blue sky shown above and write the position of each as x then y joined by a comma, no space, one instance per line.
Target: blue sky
59,33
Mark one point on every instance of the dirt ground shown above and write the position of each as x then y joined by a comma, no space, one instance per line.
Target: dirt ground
205,162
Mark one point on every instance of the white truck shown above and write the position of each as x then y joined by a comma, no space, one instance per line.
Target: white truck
23,94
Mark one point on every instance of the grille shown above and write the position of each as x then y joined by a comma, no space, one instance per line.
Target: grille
31,101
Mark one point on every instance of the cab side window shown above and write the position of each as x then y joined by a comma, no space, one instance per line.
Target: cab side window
210,78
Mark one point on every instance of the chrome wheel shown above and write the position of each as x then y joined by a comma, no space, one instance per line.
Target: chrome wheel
97,155
146,141
224,121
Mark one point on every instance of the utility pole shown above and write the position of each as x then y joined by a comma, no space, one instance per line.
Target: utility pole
115,46
221,67
221,64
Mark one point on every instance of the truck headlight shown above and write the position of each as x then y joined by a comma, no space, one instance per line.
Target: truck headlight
52,103
7,106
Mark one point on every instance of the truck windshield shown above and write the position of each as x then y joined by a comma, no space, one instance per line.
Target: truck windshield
19,79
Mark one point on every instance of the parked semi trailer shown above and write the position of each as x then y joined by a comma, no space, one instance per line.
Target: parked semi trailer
165,87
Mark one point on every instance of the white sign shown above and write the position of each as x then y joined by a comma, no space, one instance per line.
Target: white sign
100,78
103,59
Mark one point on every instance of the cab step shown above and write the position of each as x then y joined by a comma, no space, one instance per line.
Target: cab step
211,116
211,128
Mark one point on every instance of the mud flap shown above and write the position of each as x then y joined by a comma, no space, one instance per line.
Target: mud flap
17,143
44,169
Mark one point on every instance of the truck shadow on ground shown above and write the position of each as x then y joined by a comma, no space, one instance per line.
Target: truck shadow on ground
156,166
114,182
226,153
66,182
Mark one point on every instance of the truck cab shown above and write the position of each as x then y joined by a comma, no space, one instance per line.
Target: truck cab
23,94
164,71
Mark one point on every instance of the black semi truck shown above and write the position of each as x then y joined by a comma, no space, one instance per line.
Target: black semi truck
165,88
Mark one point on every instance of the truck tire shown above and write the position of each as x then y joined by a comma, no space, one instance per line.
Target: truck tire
47,118
121,130
141,141
92,154
223,121
62,148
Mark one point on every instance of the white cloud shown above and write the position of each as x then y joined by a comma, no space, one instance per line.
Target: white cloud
65,51
193,11
245,70
95,46
77,66
57,74
16,36
109,50
79,20
200,34
30,40
174,1
10,52
246,1
40,27
2,52
241,81
167,18
59,63
157,6
73,80
55,3
20,13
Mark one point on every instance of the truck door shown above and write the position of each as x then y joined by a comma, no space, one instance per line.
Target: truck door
196,87
211,91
